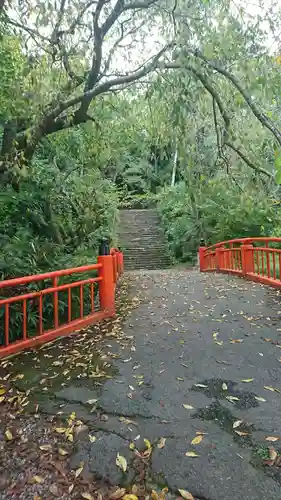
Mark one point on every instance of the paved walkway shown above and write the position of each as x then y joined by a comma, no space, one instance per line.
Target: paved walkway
198,357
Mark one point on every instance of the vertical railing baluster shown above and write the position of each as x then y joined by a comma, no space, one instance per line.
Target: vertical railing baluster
7,322
267,261
24,319
92,297
274,265
69,305
81,301
56,303
40,314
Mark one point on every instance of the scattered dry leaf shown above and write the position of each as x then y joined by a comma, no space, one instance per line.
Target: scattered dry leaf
185,494
241,433
147,444
161,443
117,494
272,453
200,385
191,454
86,495
272,438
232,398
45,447
9,435
258,398
37,479
197,439
79,470
237,423
224,386
121,462
269,388
130,496
247,380
63,452
188,407
92,438
60,430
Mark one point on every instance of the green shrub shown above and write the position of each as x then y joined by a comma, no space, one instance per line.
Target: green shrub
218,211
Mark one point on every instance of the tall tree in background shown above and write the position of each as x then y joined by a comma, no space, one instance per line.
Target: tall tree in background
64,58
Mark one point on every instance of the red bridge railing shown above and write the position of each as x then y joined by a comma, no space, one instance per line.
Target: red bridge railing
258,259
36,309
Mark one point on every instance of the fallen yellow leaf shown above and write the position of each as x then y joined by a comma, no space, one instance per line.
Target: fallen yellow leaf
86,495
63,452
92,401
79,470
224,386
269,388
185,494
191,454
2,390
272,453
132,446
147,444
60,430
45,447
200,385
258,398
117,494
237,423
161,443
241,433
121,462
197,439
92,438
37,479
9,435
247,380
272,438
130,496
188,407
232,398
2,398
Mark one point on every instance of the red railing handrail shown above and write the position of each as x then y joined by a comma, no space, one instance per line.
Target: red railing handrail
24,280
244,241
109,267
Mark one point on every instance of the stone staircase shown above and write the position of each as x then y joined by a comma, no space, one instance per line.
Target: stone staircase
142,240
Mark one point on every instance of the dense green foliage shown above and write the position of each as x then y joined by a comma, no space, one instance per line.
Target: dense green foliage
193,126
213,214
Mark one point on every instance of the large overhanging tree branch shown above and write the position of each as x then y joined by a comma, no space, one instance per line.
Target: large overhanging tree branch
226,140
264,120
92,28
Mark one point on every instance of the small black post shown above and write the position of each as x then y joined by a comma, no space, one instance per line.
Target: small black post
104,248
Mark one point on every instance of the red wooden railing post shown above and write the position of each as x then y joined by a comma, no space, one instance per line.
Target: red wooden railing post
247,259
219,258
201,258
107,283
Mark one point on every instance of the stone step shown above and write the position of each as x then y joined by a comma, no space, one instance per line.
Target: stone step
142,239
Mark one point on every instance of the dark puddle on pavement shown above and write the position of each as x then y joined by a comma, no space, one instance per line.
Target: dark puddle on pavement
222,416
226,389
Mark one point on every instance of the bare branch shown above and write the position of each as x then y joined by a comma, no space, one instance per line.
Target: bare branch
104,87
264,120
212,91
117,43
